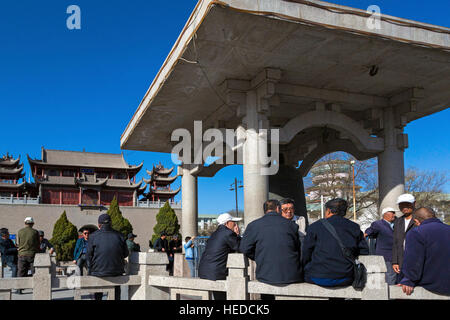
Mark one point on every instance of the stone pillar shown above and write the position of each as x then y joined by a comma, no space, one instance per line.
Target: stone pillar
391,167
376,286
237,279
42,281
189,207
146,264
256,184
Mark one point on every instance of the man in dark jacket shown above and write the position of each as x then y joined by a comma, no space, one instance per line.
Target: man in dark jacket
426,261
273,242
106,253
383,231
406,203
8,251
225,240
323,260
162,245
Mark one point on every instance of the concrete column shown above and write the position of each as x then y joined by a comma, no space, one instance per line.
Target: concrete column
237,279
42,281
391,167
146,264
189,207
256,185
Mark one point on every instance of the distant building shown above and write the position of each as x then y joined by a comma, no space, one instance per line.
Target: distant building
85,178
205,221
159,184
11,172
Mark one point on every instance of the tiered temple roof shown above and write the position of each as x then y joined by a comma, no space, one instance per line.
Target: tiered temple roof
11,171
159,183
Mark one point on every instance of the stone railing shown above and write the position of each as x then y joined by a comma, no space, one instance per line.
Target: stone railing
147,279
20,200
158,204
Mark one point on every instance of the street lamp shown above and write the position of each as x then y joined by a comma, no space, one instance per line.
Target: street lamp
352,163
234,187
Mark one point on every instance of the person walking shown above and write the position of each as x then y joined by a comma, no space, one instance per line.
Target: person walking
383,231
44,244
323,260
106,253
79,254
28,245
225,240
272,241
189,254
426,261
406,203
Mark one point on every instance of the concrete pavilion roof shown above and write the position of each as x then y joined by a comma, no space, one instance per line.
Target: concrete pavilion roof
324,52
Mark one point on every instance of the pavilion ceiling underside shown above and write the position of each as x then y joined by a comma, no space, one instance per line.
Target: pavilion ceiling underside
238,46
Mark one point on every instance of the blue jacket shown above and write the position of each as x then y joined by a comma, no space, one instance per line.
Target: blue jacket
189,252
81,243
426,261
382,231
322,256
213,262
106,252
273,242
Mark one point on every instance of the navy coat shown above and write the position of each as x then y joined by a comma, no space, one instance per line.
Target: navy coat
106,252
8,251
273,242
382,231
213,262
426,260
322,256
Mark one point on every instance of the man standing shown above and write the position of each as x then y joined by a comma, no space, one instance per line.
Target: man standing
322,257
79,254
225,240
426,261
287,211
383,231
106,253
44,244
28,242
174,247
162,245
8,251
273,242
406,203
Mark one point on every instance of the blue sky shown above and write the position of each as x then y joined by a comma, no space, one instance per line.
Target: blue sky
74,89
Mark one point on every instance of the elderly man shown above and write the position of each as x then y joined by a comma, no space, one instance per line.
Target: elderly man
322,256
28,243
273,242
383,231
288,212
8,251
426,260
406,203
44,244
106,253
225,240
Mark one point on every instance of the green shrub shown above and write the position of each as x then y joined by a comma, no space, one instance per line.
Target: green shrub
64,238
118,222
166,220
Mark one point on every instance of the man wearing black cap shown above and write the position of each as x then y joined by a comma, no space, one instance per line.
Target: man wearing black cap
106,253
8,251
132,246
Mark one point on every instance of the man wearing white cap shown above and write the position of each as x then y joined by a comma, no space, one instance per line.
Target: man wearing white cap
28,243
406,203
225,240
383,231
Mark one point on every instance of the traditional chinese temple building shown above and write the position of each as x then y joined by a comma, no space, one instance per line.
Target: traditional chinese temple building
11,172
159,184
85,178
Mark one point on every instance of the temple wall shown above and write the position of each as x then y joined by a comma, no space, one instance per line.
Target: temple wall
12,216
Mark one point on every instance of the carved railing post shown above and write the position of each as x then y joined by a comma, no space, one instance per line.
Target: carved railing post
237,279
42,281
146,264
376,287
